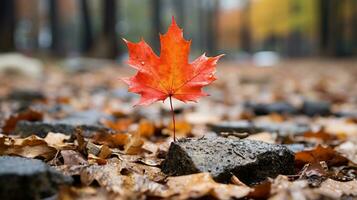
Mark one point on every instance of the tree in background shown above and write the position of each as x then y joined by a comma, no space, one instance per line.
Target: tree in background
7,24
87,33
156,23
55,28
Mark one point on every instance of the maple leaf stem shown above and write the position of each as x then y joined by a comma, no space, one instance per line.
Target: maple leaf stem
173,117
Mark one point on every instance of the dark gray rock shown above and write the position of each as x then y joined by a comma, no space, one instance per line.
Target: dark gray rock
316,108
23,178
251,161
88,121
235,126
88,117
26,95
41,129
278,107
256,127
347,114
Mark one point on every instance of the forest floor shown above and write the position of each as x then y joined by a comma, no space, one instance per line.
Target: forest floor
292,128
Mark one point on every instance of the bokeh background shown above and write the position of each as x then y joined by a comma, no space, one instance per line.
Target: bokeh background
242,29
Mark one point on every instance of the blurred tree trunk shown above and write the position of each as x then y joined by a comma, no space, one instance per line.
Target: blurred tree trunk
87,34
201,30
354,26
56,46
107,45
245,31
334,40
156,24
7,24
212,15
109,25
180,12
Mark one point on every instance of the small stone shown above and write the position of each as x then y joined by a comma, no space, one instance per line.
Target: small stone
235,126
316,108
88,117
23,178
278,107
257,127
26,95
41,129
88,121
250,161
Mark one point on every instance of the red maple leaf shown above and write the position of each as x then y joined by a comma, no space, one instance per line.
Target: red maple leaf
170,75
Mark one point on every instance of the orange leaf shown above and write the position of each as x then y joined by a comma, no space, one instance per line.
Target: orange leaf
170,75
29,115
111,140
318,154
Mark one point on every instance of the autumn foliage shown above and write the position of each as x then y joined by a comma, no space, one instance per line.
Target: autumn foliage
171,74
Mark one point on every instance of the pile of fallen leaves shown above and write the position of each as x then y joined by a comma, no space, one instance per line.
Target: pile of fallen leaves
123,161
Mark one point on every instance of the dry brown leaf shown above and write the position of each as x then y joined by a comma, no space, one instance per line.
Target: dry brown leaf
283,189
93,159
121,125
30,147
321,135
56,139
200,185
260,191
29,115
348,149
146,128
264,137
105,152
86,193
82,144
71,158
335,189
111,140
116,178
134,144
327,154
183,128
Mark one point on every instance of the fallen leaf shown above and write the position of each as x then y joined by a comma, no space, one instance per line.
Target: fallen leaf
30,147
170,75
314,173
146,128
321,135
82,144
183,128
105,152
201,185
282,189
56,139
335,189
264,137
134,144
348,149
120,125
327,154
111,140
260,191
93,159
85,193
71,157
28,115
115,178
